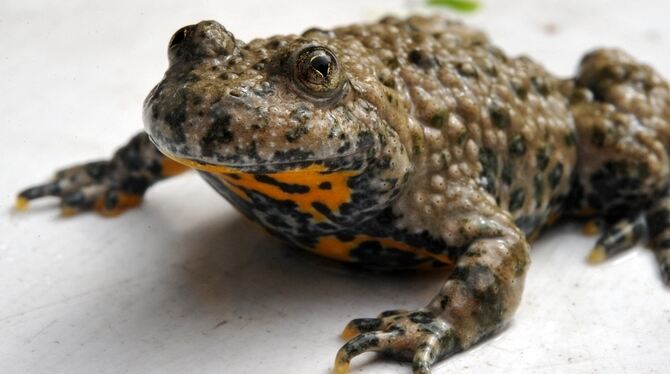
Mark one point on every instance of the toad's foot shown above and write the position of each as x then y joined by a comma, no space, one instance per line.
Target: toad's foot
108,187
419,336
617,238
85,187
652,226
478,299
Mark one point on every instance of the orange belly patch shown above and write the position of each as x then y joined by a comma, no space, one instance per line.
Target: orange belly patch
335,248
311,185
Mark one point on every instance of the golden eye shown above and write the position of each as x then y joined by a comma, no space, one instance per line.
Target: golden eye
317,73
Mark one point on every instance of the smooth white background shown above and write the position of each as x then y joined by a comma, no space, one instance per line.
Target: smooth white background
185,285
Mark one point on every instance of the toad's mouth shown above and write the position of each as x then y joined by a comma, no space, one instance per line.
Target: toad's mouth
348,161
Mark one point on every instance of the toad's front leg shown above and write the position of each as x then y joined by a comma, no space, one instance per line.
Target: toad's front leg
108,186
478,299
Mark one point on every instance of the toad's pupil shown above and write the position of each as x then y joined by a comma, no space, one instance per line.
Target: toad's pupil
321,63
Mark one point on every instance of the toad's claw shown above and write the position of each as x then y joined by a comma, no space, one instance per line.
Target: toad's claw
418,336
597,255
21,203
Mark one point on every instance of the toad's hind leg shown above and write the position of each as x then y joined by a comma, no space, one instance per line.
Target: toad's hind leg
621,110
108,187
658,225
478,299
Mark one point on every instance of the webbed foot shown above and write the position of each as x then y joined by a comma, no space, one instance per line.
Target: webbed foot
420,336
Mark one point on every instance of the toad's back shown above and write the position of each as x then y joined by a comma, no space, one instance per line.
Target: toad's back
476,115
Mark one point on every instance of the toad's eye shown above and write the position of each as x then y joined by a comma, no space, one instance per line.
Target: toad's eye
317,73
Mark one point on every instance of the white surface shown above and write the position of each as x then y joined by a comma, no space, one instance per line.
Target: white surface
184,285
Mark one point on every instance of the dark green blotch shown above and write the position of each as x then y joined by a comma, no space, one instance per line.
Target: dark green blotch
517,199
439,119
542,159
517,146
598,137
489,161
538,183
507,172
421,317
296,133
219,132
499,115
421,59
540,85
555,175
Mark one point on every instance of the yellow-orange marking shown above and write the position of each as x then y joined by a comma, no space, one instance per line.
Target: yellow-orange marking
332,247
125,201
170,167
21,203
312,176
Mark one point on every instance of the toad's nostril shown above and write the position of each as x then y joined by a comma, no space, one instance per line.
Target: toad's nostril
179,36
202,40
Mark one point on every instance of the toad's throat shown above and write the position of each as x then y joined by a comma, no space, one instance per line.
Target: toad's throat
315,190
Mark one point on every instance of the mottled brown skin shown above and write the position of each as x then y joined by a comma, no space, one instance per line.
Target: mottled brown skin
404,143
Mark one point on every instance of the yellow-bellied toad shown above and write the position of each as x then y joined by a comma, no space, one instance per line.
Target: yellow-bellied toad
409,143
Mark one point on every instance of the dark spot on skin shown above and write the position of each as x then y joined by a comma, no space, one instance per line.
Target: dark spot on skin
390,313
296,134
538,183
517,147
388,81
365,140
597,137
489,161
286,187
506,176
542,158
345,147
111,199
517,199
439,119
540,85
499,115
175,117
528,224
521,90
292,155
421,59
421,317
555,175
366,324
135,185
362,346
323,209
392,63
373,253
219,132
325,186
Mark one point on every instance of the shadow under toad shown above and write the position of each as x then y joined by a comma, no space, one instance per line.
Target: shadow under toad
238,273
